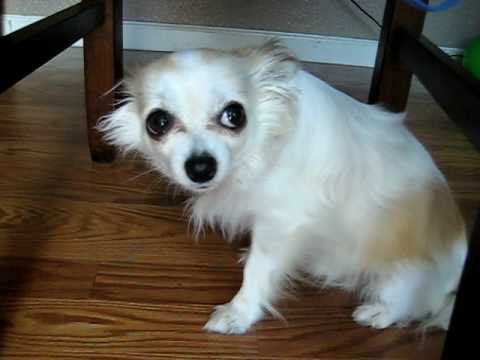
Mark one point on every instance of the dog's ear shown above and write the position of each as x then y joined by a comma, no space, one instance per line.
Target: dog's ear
271,66
122,128
271,62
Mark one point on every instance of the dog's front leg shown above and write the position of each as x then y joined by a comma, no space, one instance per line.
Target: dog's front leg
264,270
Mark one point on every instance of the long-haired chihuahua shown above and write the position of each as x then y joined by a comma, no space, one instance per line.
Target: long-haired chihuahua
326,186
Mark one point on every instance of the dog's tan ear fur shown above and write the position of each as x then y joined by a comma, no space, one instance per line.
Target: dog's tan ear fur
270,62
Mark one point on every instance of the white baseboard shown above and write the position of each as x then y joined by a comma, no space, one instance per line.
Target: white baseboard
169,37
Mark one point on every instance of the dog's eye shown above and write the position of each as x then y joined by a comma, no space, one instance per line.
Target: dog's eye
158,123
233,117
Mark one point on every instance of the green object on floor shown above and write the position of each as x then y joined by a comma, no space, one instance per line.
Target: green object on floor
471,57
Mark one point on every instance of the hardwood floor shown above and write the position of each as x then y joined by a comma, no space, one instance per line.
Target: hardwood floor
96,261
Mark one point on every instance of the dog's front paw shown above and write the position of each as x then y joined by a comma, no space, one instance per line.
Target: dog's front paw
228,319
376,315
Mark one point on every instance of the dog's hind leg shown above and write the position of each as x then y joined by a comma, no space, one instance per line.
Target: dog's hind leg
413,291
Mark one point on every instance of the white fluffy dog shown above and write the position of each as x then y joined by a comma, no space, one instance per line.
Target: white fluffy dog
326,185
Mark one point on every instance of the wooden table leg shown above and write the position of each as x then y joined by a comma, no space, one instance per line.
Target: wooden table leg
103,69
391,81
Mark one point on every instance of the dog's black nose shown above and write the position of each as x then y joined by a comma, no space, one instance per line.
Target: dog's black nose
201,168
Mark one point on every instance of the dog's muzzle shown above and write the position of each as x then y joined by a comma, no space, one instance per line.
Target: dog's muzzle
201,168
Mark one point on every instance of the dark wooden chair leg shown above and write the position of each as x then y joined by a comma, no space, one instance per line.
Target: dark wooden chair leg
391,81
103,69
461,341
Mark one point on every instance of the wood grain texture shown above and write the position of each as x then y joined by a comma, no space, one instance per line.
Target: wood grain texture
96,261
122,330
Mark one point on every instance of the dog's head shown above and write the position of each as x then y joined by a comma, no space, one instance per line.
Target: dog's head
206,117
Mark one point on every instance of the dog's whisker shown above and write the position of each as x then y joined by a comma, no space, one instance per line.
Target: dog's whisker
139,175
115,87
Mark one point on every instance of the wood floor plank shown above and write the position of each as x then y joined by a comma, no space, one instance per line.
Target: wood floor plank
152,283
326,330
46,278
76,230
114,329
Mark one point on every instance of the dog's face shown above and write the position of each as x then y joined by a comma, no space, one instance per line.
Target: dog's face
196,111
198,116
